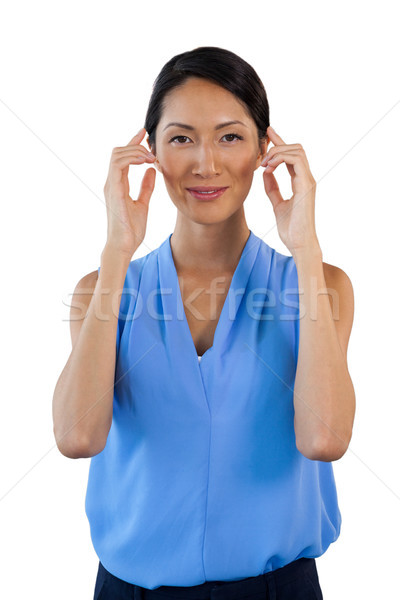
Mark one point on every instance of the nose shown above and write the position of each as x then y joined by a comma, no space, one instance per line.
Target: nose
206,162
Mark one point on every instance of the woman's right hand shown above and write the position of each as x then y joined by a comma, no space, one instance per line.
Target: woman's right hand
127,218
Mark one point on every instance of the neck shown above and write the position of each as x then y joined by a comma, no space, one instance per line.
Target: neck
214,247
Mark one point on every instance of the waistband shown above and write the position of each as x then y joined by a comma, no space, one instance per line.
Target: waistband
219,590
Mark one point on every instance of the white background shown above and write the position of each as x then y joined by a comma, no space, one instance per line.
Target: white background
76,79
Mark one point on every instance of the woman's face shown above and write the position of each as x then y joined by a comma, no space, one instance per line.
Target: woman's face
204,155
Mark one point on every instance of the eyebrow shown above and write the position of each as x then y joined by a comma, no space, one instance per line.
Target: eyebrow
220,126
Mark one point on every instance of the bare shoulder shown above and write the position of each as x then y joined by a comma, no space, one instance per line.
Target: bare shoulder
338,279
85,288
81,298
88,280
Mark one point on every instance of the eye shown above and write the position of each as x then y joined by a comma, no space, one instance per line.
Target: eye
239,137
177,137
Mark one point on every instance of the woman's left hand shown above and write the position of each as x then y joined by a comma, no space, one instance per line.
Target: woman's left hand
295,216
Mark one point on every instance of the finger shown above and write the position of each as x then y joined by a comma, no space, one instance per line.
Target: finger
131,159
147,186
286,157
272,189
128,150
138,137
116,173
275,138
294,148
297,167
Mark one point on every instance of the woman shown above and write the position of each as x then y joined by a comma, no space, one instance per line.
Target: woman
211,403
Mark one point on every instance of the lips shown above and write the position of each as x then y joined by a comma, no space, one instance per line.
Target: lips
206,188
206,193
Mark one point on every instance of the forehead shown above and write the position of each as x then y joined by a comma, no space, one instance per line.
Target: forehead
202,100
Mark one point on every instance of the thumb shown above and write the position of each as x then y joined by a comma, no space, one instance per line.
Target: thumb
147,186
272,189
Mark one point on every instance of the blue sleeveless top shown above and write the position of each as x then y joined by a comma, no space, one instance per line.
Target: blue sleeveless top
200,479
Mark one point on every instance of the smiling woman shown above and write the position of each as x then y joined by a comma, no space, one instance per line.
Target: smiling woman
210,478
206,138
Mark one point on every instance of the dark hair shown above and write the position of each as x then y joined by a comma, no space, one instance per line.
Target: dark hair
219,65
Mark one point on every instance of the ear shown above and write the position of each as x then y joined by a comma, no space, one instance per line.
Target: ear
263,151
155,163
149,146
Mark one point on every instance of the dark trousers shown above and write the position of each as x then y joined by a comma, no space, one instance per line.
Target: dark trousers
296,581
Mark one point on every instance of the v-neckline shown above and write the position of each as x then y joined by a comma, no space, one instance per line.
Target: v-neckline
240,275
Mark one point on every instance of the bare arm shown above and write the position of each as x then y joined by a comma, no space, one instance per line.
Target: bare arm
324,396
83,396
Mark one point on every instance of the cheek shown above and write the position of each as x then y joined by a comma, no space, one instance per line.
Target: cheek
171,168
245,167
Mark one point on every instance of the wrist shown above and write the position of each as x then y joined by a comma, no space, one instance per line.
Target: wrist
116,255
310,251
